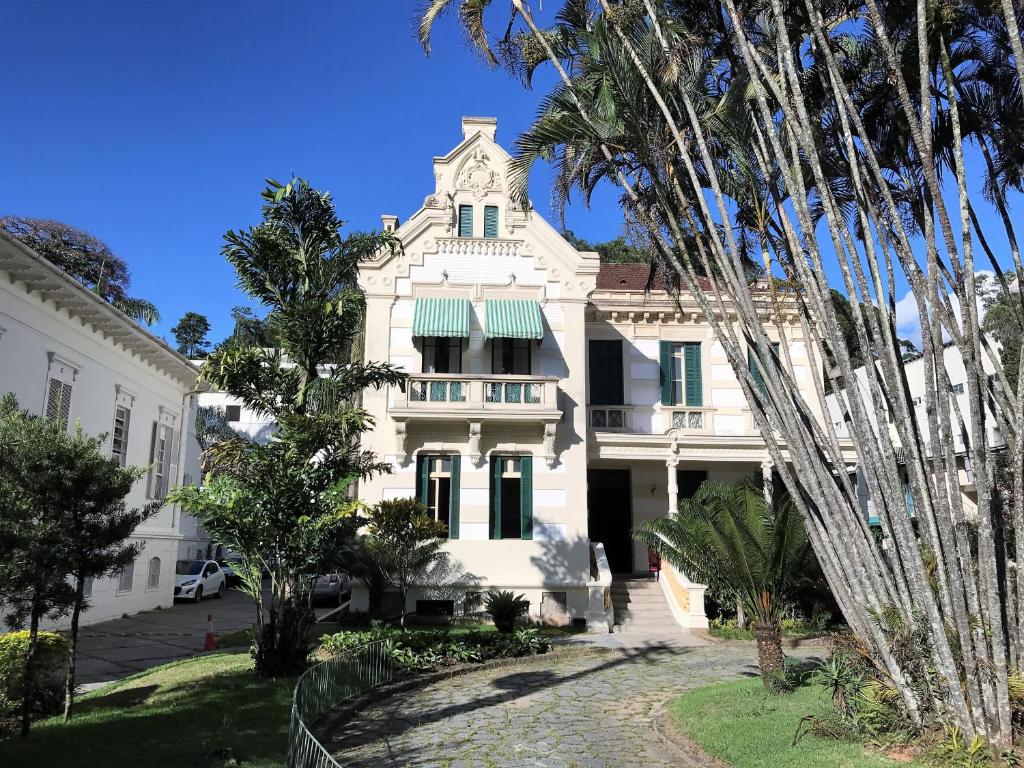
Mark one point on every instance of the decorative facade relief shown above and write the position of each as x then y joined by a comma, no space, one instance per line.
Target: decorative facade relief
474,443
477,177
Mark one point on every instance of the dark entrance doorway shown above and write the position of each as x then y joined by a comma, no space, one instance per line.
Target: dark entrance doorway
610,517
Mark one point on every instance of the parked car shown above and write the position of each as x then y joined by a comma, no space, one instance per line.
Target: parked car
231,576
196,579
332,588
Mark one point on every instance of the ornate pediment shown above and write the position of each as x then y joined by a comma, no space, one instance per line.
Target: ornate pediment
477,177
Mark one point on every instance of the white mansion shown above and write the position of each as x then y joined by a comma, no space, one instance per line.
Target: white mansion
553,403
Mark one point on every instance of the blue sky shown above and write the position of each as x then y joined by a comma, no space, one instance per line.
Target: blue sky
153,125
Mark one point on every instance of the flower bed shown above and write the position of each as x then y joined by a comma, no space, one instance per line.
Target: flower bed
416,651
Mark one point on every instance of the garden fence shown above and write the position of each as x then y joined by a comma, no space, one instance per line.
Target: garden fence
322,687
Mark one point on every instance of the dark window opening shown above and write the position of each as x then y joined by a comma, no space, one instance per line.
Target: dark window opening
510,356
689,480
233,412
442,355
435,607
606,387
511,525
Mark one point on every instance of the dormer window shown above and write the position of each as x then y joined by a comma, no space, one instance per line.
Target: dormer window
465,221
490,221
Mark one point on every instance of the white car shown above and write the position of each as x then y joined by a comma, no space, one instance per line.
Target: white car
196,579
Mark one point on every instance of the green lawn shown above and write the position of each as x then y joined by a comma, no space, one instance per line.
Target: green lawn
742,724
193,714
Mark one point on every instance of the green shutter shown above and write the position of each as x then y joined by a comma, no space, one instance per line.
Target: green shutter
665,358
694,375
465,221
755,372
606,372
490,221
496,497
453,495
526,497
423,492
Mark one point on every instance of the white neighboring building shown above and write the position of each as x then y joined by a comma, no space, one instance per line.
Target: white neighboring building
68,354
915,373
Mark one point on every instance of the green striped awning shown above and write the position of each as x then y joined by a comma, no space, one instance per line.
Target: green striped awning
441,317
512,319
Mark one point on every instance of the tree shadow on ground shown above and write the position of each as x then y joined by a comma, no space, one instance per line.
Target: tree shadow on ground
359,743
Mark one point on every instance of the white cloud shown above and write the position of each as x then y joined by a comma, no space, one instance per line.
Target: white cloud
908,322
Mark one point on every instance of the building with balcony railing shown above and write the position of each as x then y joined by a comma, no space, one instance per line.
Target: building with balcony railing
553,403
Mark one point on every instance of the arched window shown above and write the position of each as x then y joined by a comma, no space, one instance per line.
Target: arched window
154,573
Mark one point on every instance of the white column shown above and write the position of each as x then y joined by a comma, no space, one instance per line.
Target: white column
673,486
766,480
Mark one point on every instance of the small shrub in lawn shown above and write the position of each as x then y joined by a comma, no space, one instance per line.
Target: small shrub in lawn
50,660
504,607
425,650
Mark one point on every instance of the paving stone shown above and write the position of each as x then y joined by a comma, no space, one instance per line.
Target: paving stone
588,712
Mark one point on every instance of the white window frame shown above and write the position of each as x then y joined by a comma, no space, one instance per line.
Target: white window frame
435,475
678,360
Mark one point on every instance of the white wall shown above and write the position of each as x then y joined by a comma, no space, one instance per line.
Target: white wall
36,339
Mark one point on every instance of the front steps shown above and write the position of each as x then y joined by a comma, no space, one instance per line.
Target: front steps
640,606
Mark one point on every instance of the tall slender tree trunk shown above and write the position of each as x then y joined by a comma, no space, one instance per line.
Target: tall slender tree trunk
69,681
741,615
28,675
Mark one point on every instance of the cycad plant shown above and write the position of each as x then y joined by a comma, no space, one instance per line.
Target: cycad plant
730,534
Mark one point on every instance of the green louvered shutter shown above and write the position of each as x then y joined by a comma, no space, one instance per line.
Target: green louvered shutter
423,492
665,359
453,496
755,371
465,221
496,497
605,368
694,375
490,221
526,497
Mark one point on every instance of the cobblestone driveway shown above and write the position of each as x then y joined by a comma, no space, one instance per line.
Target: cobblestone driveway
587,712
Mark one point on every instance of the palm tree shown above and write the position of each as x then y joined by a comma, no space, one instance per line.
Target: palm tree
860,116
731,535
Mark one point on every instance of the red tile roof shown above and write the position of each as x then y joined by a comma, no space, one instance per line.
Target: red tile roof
632,277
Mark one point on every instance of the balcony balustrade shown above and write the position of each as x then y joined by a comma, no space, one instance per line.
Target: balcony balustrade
478,399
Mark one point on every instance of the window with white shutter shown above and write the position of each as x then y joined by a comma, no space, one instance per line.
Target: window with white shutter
162,460
58,401
119,435
125,578
60,380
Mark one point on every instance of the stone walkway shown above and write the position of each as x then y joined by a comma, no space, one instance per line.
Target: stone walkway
587,712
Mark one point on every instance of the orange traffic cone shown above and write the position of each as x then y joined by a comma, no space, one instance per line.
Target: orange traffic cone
210,644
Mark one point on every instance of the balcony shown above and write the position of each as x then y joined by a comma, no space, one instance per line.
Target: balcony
687,420
478,399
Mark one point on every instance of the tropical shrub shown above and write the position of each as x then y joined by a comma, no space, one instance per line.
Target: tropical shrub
758,550
504,607
50,659
422,651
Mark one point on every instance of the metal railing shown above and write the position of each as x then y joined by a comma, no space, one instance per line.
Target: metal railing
321,688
